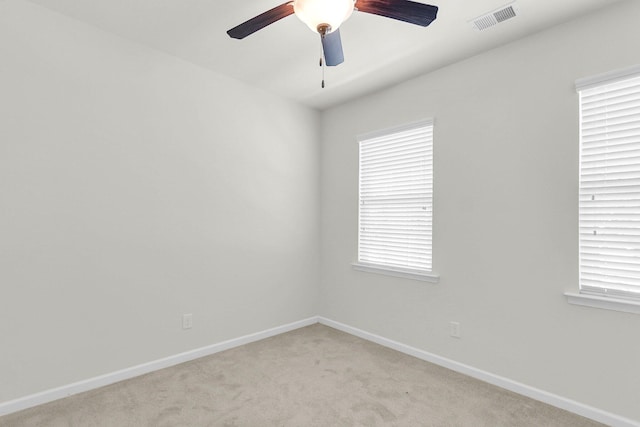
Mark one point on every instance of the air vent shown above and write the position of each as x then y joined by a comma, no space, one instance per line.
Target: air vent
493,18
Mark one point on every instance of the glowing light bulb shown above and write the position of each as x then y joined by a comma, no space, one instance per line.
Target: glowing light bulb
323,12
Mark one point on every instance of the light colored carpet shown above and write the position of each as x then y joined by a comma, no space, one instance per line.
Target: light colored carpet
314,376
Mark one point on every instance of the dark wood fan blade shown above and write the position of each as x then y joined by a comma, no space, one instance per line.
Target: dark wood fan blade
402,10
261,21
332,47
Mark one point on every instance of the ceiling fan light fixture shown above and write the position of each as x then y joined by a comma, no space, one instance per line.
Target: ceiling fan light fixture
316,13
325,17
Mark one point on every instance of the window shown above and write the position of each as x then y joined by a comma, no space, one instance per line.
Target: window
609,197
396,202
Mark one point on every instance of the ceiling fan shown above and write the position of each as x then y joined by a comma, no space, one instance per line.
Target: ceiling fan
326,16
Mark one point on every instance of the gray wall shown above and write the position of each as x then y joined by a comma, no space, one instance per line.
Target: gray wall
505,220
135,187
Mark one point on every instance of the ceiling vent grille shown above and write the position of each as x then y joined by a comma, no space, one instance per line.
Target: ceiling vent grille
495,17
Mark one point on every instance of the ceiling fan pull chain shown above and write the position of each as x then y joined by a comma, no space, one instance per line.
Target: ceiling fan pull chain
322,61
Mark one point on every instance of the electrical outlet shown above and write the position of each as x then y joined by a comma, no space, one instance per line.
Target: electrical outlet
454,329
187,321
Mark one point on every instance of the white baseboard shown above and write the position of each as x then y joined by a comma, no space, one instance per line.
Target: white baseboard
125,374
523,389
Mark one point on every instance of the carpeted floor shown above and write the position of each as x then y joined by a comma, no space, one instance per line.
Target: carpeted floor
314,376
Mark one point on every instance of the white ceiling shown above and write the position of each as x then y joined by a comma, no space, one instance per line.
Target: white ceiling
283,58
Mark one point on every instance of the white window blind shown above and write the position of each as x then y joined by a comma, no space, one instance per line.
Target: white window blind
609,206
396,198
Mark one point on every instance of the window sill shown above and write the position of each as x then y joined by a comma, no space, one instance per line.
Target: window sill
388,271
607,303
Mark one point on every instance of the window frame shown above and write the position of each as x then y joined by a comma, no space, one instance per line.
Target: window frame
385,269
590,298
